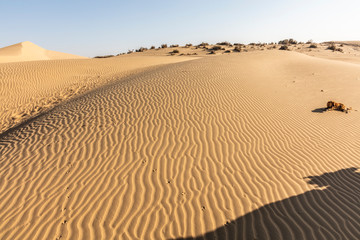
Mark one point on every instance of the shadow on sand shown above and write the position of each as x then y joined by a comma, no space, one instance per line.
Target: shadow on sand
332,213
319,110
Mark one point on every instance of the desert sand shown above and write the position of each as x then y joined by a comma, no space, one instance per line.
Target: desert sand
152,146
28,51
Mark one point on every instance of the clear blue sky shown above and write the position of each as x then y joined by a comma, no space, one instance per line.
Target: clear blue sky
90,28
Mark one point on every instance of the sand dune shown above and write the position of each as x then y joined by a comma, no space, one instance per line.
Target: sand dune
232,146
29,88
28,51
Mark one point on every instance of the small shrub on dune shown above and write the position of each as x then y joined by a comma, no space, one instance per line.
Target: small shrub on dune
237,49
141,49
287,41
129,52
175,51
284,47
203,44
216,48
152,47
106,56
224,43
174,45
313,46
188,45
333,47
212,52
164,46
228,51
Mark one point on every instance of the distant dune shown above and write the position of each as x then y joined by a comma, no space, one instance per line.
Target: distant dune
28,51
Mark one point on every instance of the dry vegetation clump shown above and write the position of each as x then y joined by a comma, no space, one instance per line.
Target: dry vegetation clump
174,45
284,47
212,52
224,44
239,44
333,47
175,51
130,51
313,45
237,48
188,45
216,48
203,44
288,41
227,51
152,47
164,46
142,49
106,56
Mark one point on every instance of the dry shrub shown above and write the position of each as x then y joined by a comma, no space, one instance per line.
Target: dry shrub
284,47
216,48
106,56
237,48
288,41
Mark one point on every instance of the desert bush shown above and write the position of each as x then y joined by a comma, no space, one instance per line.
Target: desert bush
216,48
152,47
106,56
175,51
287,41
309,41
142,49
313,45
224,43
333,47
228,51
212,52
284,47
203,44
164,46
237,49
174,45
130,51
188,45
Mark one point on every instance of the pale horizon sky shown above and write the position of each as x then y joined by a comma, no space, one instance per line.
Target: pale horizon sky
90,28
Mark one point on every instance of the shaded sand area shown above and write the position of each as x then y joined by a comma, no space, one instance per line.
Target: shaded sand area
228,147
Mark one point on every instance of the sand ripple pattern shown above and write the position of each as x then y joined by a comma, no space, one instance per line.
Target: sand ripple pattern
177,151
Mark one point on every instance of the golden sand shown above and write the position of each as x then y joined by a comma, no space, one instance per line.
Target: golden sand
159,147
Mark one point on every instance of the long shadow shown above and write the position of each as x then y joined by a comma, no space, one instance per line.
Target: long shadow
332,213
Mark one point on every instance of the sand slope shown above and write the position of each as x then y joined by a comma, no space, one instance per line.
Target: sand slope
189,148
29,88
28,51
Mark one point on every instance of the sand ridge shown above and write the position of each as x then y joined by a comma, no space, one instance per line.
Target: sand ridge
29,88
184,149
